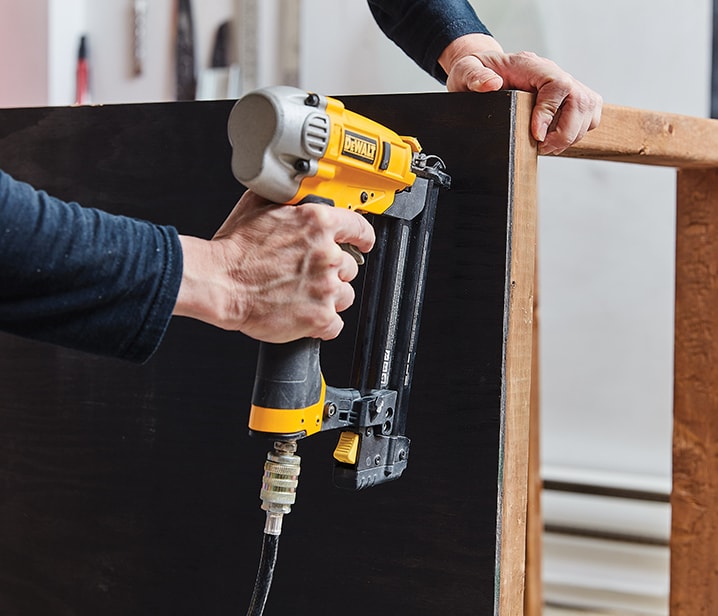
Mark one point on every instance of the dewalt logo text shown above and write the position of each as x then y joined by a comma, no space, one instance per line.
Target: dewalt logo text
359,147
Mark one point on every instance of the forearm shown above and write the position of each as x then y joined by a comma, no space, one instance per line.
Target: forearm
83,278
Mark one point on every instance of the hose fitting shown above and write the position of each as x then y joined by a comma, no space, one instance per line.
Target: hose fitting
279,484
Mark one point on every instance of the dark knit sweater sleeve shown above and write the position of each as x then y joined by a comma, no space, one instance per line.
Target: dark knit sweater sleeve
423,28
83,278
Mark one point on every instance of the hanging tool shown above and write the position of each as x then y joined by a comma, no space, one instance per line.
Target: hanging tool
139,36
292,146
82,75
185,72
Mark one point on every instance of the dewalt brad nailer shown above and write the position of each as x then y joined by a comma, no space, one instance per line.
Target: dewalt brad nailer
291,146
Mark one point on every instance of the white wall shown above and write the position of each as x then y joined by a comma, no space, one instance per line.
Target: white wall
353,56
607,239
23,53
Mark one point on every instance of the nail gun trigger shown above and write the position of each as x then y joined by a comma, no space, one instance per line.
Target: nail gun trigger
354,252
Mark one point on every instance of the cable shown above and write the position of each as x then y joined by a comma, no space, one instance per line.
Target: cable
279,487
265,573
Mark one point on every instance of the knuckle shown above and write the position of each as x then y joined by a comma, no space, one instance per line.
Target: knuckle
564,85
469,69
550,105
584,101
321,254
327,327
323,287
317,320
545,65
467,62
314,216
529,55
333,330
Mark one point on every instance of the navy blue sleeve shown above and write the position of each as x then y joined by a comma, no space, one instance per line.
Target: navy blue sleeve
423,28
83,278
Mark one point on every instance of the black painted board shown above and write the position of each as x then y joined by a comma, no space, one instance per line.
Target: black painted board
131,489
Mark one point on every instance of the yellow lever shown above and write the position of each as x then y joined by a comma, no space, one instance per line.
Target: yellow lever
347,448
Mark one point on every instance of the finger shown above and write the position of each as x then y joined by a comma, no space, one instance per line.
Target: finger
549,100
345,297
541,121
565,131
596,115
588,124
331,331
470,75
579,113
351,228
527,71
348,268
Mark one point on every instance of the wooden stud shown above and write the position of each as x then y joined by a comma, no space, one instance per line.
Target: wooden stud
533,600
694,537
650,138
518,364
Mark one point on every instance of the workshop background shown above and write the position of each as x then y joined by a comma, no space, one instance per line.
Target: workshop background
606,229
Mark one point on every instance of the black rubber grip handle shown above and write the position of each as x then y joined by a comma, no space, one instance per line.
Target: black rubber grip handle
288,375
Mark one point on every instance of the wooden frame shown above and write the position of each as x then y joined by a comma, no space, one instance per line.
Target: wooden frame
691,146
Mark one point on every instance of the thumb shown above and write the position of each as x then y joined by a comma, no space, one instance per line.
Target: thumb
542,118
469,74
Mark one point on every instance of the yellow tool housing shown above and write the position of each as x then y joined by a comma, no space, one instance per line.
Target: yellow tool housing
364,164
292,146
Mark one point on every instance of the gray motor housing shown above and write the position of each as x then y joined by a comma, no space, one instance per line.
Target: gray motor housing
278,134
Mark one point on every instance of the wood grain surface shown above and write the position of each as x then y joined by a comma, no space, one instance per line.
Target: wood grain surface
650,138
694,499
